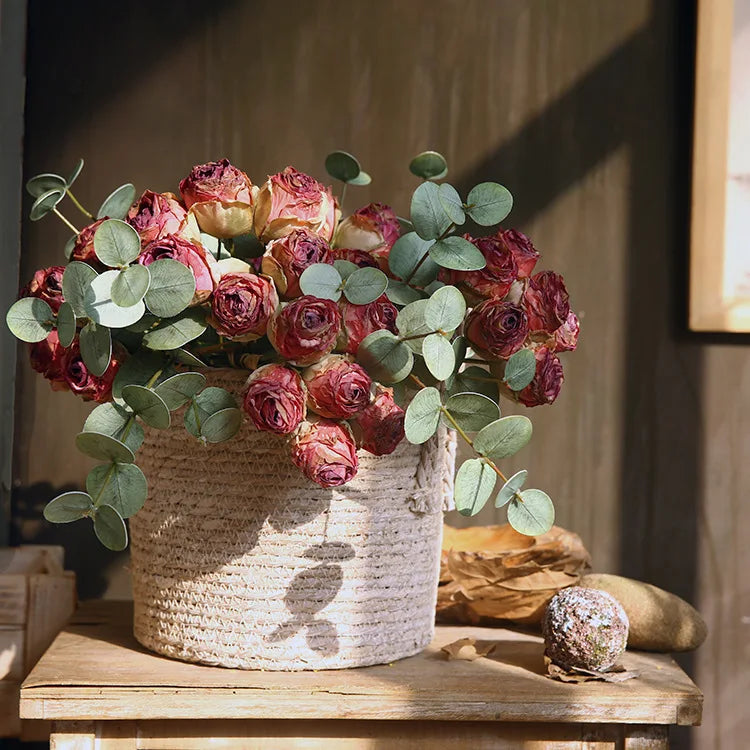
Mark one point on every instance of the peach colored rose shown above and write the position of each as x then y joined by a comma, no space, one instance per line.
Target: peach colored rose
287,257
359,321
337,388
275,399
324,451
157,215
242,306
373,228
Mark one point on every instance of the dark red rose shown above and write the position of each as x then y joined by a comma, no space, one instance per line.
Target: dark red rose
242,306
287,257
337,388
379,427
359,321
360,258
497,327
47,285
524,253
305,330
46,358
83,249
275,399
156,215
546,301
324,451
548,380
82,382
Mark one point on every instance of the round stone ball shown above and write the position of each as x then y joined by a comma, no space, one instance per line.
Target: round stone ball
585,629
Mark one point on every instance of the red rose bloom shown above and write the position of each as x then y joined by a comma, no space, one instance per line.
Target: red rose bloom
524,253
566,336
47,285
324,451
275,399
380,425
46,358
82,382
336,387
545,387
373,228
287,257
305,330
359,321
83,249
497,327
242,306
546,301
156,215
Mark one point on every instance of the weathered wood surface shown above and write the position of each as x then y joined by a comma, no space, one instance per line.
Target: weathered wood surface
96,670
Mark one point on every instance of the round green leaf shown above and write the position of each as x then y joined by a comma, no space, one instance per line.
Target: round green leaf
445,309
451,202
222,425
139,369
533,515
74,174
43,183
475,481
184,357
406,254
45,203
429,165
66,324
208,402
70,506
116,243
460,345
148,405
342,166
131,285
503,437
69,246
345,268
172,334
96,348
458,254
123,486
422,415
387,359
427,213
489,203
117,203
365,285
438,356
410,322
101,308
520,369
117,422
110,529
172,287
475,380
103,447
510,488
30,319
180,388
402,294
321,280
75,283
472,411
361,179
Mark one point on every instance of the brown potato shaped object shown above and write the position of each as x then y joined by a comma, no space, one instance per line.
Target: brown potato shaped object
659,621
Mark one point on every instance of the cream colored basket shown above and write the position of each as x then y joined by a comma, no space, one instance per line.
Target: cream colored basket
240,561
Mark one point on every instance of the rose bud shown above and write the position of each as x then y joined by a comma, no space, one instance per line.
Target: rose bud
305,330
324,451
231,265
46,285
360,258
292,200
566,336
275,399
497,327
46,358
379,427
287,257
524,253
83,249
82,382
359,321
221,198
242,306
374,228
190,254
157,215
337,388
548,380
546,301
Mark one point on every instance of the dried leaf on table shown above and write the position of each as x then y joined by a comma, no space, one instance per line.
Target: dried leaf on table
618,673
468,649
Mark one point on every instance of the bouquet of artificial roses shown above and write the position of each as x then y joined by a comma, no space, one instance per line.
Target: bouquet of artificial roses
355,333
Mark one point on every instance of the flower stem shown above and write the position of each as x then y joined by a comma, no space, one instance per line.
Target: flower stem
79,206
64,220
419,336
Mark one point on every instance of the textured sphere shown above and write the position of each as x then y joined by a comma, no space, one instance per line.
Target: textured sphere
585,628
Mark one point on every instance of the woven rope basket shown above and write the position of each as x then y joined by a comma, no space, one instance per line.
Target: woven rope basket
240,561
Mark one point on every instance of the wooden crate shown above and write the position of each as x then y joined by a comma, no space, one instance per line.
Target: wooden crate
37,596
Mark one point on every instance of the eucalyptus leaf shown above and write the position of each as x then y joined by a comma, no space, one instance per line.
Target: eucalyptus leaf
116,243
406,254
184,357
411,322
489,203
139,369
96,348
387,359
101,308
70,246
175,333
476,380
451,202
460,346
110,529
123,486
77,278
45,203
457,254
475,481
503,437
222,425
103,447
70,506
342,166
148,405
365,285
66,324
43,183
172,287
402,294
321,280
208,402
520,369
472,411
509,490
361,179
534,514
117,203
423,415
131,285
445,309
345,268
429,165
180,388
74,174
438,356
117,422
427,213
30,319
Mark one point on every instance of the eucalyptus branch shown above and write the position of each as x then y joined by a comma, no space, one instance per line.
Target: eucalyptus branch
78,205
64,220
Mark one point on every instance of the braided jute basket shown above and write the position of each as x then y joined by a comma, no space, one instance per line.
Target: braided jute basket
240,561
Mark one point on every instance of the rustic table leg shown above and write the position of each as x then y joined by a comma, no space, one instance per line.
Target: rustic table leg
72,735
646,737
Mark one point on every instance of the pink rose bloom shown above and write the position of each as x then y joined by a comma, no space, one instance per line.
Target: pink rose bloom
360,258
83,249
82,382
337,388
287,257
46,285
566,336
292,200
497,327
190,254
359,321
242,306
546,301
380,425
524,253
373,228
275,399
324,451
157,215
305,330
46,358
221,197
545,387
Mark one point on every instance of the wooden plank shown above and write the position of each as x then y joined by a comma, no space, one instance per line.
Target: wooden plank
52,600
73,735
10,720
13,599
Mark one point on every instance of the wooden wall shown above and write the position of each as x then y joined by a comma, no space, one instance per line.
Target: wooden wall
581,107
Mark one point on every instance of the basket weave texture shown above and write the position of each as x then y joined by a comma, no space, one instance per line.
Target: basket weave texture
240,561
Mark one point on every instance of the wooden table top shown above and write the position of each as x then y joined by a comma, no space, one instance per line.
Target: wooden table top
96,670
